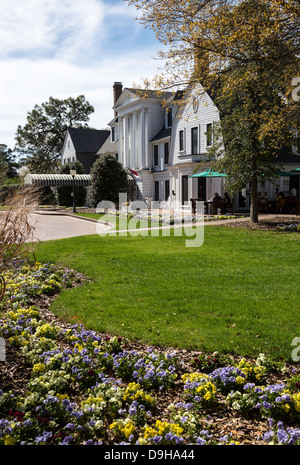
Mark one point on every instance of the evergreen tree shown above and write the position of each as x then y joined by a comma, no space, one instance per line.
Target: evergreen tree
108,179
41,139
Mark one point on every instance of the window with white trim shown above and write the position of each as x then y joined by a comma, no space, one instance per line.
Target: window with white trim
209,135
113,133
181,141
195,140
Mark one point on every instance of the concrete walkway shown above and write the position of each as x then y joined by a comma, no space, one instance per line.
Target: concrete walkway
50,226
53,225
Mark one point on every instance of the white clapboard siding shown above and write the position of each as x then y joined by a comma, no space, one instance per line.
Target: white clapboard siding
68,152
207,113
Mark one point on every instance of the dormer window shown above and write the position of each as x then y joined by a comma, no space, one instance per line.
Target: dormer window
113,134
195,140
169,117
166,153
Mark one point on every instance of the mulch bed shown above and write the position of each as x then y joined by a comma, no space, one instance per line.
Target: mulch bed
15,375
265,223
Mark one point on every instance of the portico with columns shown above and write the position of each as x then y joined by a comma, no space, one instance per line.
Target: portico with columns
139,116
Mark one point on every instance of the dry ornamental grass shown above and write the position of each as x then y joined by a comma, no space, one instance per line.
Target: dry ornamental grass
15,228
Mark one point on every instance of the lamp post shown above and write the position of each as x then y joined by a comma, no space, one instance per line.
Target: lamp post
73,174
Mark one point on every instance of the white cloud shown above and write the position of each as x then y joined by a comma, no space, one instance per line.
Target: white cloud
48,26
27,83
64,48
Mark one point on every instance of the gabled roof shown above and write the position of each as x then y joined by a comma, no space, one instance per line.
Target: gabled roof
148,93
135,93
162,134
88,140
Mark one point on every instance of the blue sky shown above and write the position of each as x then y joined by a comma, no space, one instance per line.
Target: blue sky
66,48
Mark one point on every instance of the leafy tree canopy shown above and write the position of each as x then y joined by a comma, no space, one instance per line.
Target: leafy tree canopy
246,53
41,139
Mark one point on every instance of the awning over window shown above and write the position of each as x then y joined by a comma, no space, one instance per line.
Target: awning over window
57,180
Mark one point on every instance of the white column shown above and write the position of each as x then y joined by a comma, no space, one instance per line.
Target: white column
146,142
133,138
125,127
142,138
120,140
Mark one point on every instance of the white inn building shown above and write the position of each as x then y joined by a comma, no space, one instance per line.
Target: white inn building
162,144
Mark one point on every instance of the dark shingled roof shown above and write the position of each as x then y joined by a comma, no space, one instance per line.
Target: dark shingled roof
165,132
286,155
88,140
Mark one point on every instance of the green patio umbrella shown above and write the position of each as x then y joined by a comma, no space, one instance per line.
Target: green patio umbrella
208,174
286,173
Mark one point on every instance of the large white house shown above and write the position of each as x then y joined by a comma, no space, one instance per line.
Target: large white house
162,142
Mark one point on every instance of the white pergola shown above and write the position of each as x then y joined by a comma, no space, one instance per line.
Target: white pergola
57,180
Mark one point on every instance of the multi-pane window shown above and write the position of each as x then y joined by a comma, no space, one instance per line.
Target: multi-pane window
113,134
167,189
181,140
155,155
156,191
195,140
169,117
166,153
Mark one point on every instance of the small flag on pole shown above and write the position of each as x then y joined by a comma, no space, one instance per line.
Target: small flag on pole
134,173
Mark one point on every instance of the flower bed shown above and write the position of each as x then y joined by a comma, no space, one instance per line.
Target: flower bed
168,218
91,389
292,227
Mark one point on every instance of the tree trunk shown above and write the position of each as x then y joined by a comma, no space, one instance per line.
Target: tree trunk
254,201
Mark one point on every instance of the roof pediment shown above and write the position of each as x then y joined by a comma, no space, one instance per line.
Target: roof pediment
131,96
126,98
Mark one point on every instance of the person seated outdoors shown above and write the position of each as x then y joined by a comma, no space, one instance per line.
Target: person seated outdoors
263,203
217,203
227,204
290,203
280,208
273,201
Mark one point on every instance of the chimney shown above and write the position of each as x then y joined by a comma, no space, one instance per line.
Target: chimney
118,88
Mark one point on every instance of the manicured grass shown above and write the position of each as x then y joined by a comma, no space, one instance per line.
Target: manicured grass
237,293
119,223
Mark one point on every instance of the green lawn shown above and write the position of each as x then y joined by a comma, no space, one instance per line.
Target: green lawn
237,293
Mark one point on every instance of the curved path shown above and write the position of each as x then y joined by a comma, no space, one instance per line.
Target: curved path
50,226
